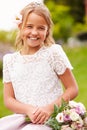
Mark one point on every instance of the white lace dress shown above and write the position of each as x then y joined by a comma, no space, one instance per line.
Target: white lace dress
35,81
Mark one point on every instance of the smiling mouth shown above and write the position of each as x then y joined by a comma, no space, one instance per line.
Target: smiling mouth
33,38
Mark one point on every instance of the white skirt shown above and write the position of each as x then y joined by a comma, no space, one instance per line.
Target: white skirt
17,122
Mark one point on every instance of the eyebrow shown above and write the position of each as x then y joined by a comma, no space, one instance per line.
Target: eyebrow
37,25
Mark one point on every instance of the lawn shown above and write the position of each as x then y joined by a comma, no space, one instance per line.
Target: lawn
78,58
3,110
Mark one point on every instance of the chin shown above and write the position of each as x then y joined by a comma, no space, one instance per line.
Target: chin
32,45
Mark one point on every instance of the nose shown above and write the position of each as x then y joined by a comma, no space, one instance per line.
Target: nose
34,31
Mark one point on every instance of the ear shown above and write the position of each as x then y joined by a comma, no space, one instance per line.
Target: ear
19,26
47,33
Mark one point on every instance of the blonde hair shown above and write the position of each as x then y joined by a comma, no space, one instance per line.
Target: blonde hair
39,9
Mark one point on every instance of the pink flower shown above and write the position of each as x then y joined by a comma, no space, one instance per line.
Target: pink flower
70,116
81,108
67,118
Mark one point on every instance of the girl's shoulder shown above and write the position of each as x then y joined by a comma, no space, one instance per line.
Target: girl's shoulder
56,48
10,56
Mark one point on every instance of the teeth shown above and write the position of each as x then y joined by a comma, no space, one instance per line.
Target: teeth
33,38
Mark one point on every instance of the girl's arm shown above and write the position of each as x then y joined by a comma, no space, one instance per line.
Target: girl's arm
14,105
71,91
70,85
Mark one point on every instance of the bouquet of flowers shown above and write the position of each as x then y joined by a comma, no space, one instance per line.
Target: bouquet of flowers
69,116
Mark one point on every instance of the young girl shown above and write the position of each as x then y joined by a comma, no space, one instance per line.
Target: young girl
33,75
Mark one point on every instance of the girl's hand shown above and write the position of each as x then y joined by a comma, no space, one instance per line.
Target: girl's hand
29,112
41,114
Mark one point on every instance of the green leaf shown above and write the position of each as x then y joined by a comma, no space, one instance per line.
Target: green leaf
27,119
53,123
64,105
55,112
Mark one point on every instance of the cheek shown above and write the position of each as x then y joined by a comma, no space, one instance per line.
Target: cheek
44,34
23,34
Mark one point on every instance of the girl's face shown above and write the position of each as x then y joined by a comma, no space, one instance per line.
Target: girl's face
35,31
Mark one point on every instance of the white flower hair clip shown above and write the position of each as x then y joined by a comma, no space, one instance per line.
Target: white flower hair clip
36,3
18,19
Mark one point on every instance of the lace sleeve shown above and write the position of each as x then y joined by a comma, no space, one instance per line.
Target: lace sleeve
61,61
6,75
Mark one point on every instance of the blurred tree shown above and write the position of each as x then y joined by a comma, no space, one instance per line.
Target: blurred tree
77,8
8,36
85,1
62,20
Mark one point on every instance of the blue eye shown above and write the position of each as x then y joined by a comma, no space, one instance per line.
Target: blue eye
41,28
29,26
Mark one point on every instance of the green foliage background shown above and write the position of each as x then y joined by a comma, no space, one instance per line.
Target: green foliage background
68,18
78,58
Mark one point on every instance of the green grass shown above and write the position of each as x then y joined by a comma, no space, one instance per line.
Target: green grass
78,58
3,110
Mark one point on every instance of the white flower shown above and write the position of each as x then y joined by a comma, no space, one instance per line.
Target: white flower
72,104
59,117
18,19
74,116
80,122
74,125
66,127
85,121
